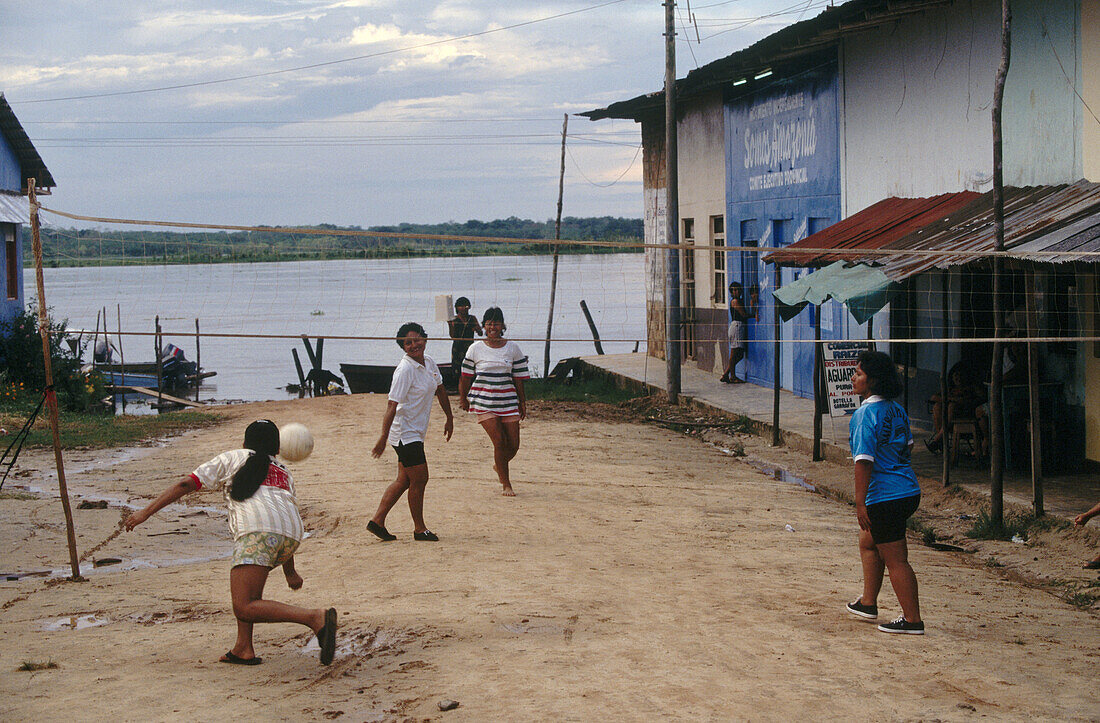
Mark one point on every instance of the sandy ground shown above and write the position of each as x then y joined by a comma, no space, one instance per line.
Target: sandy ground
640,574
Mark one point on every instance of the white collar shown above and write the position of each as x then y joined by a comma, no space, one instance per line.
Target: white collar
415,363
872,399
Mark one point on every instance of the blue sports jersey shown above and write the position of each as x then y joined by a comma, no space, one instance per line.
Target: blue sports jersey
879,432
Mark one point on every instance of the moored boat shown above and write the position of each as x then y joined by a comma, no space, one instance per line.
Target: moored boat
376,378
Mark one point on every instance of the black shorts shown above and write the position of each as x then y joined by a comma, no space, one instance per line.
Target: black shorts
888,518
411,454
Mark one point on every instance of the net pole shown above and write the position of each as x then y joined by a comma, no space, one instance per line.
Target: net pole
945,440
672,214
557,237
1036,422
51,396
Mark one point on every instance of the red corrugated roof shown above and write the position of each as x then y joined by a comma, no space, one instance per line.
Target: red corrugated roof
875,227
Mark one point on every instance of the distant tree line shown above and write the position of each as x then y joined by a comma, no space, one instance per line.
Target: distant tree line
87,247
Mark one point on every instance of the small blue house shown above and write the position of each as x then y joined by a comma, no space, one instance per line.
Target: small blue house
19,161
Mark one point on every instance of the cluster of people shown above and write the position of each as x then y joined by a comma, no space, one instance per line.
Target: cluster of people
259,490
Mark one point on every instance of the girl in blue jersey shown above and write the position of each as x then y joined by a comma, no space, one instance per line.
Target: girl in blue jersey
886,491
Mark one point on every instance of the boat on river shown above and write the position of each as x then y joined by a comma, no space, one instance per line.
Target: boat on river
376,378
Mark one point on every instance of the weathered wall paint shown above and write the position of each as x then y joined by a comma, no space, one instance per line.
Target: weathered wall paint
9,168
702,194
1090,90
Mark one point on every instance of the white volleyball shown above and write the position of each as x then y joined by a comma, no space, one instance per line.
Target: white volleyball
295,442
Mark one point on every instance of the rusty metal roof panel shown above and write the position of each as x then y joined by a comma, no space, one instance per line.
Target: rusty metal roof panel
1039,221
878,226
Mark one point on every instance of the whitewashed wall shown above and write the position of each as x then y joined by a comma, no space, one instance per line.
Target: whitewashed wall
702,174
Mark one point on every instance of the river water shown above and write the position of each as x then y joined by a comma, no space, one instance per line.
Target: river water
360,298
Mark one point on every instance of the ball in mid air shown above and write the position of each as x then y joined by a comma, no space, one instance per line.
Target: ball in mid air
295,442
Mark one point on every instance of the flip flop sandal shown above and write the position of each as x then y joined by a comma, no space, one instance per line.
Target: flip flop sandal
232,659
326,637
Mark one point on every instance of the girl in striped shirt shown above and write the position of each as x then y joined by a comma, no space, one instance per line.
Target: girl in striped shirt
266,529
492,387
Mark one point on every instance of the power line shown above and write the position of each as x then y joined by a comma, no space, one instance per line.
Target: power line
312,66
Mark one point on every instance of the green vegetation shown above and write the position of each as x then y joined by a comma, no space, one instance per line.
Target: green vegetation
83,420
98,430
1022,524
87,247
927,533
599,389
23,371
28,666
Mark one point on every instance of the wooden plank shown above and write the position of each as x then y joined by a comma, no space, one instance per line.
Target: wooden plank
152,393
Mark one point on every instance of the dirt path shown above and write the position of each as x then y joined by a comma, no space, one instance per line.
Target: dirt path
639,575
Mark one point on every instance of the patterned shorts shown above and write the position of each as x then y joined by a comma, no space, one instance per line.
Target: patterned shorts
263,548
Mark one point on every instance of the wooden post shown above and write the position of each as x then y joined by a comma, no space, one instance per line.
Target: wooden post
672,213
95,336
819,384
778,330
160,362
996,424
198,361
121,353
557,236
592,326
301,376
945,440
320,387
51,396
1036,422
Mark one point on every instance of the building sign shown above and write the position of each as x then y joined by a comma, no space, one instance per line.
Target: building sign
840,359
783,139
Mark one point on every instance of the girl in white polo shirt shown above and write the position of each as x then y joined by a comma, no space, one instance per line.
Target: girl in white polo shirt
266,528
415,381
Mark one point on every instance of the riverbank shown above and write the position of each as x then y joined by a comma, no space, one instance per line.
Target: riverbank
640,573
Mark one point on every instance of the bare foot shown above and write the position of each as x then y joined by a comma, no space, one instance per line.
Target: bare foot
294,581
508,491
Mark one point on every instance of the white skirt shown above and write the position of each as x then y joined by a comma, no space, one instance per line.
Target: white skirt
736,334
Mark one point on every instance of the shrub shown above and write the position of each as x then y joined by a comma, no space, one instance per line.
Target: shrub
25,372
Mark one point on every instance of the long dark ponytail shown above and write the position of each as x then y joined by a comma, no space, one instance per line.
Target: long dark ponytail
262,437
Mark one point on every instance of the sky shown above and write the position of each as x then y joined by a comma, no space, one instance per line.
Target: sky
349,112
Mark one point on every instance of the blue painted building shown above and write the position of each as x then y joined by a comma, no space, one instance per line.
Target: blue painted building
19,161
783,183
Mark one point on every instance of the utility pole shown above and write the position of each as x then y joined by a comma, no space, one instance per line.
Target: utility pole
672,213
997,441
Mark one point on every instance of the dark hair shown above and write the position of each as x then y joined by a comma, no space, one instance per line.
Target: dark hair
262,437
461,301
493,313
736,285
882,375
406,328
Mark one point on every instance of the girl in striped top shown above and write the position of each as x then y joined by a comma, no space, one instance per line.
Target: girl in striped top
266,529
492,387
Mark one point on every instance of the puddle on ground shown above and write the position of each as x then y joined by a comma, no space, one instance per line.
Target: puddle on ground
778,473
73,622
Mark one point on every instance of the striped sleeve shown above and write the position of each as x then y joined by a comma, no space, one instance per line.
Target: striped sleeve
469,368
519,364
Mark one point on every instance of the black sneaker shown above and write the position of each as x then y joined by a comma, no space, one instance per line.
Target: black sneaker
901,625
864,611
425,536
382,533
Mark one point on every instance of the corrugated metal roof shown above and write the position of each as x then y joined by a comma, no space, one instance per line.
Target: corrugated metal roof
30,163
14,209
874,227
1038,220
790,43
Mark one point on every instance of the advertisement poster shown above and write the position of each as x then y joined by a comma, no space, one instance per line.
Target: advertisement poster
839,359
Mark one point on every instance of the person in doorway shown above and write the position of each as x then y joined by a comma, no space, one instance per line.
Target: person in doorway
415,381
266,528
735,333
461,328
1079,521
492,387
886,491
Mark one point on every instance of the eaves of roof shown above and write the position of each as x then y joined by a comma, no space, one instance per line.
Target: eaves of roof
789,44
1055,224
30,163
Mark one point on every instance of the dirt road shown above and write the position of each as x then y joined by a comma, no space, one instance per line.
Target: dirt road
639,575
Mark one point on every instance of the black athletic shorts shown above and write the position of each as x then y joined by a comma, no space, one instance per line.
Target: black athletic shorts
411,454
888,518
